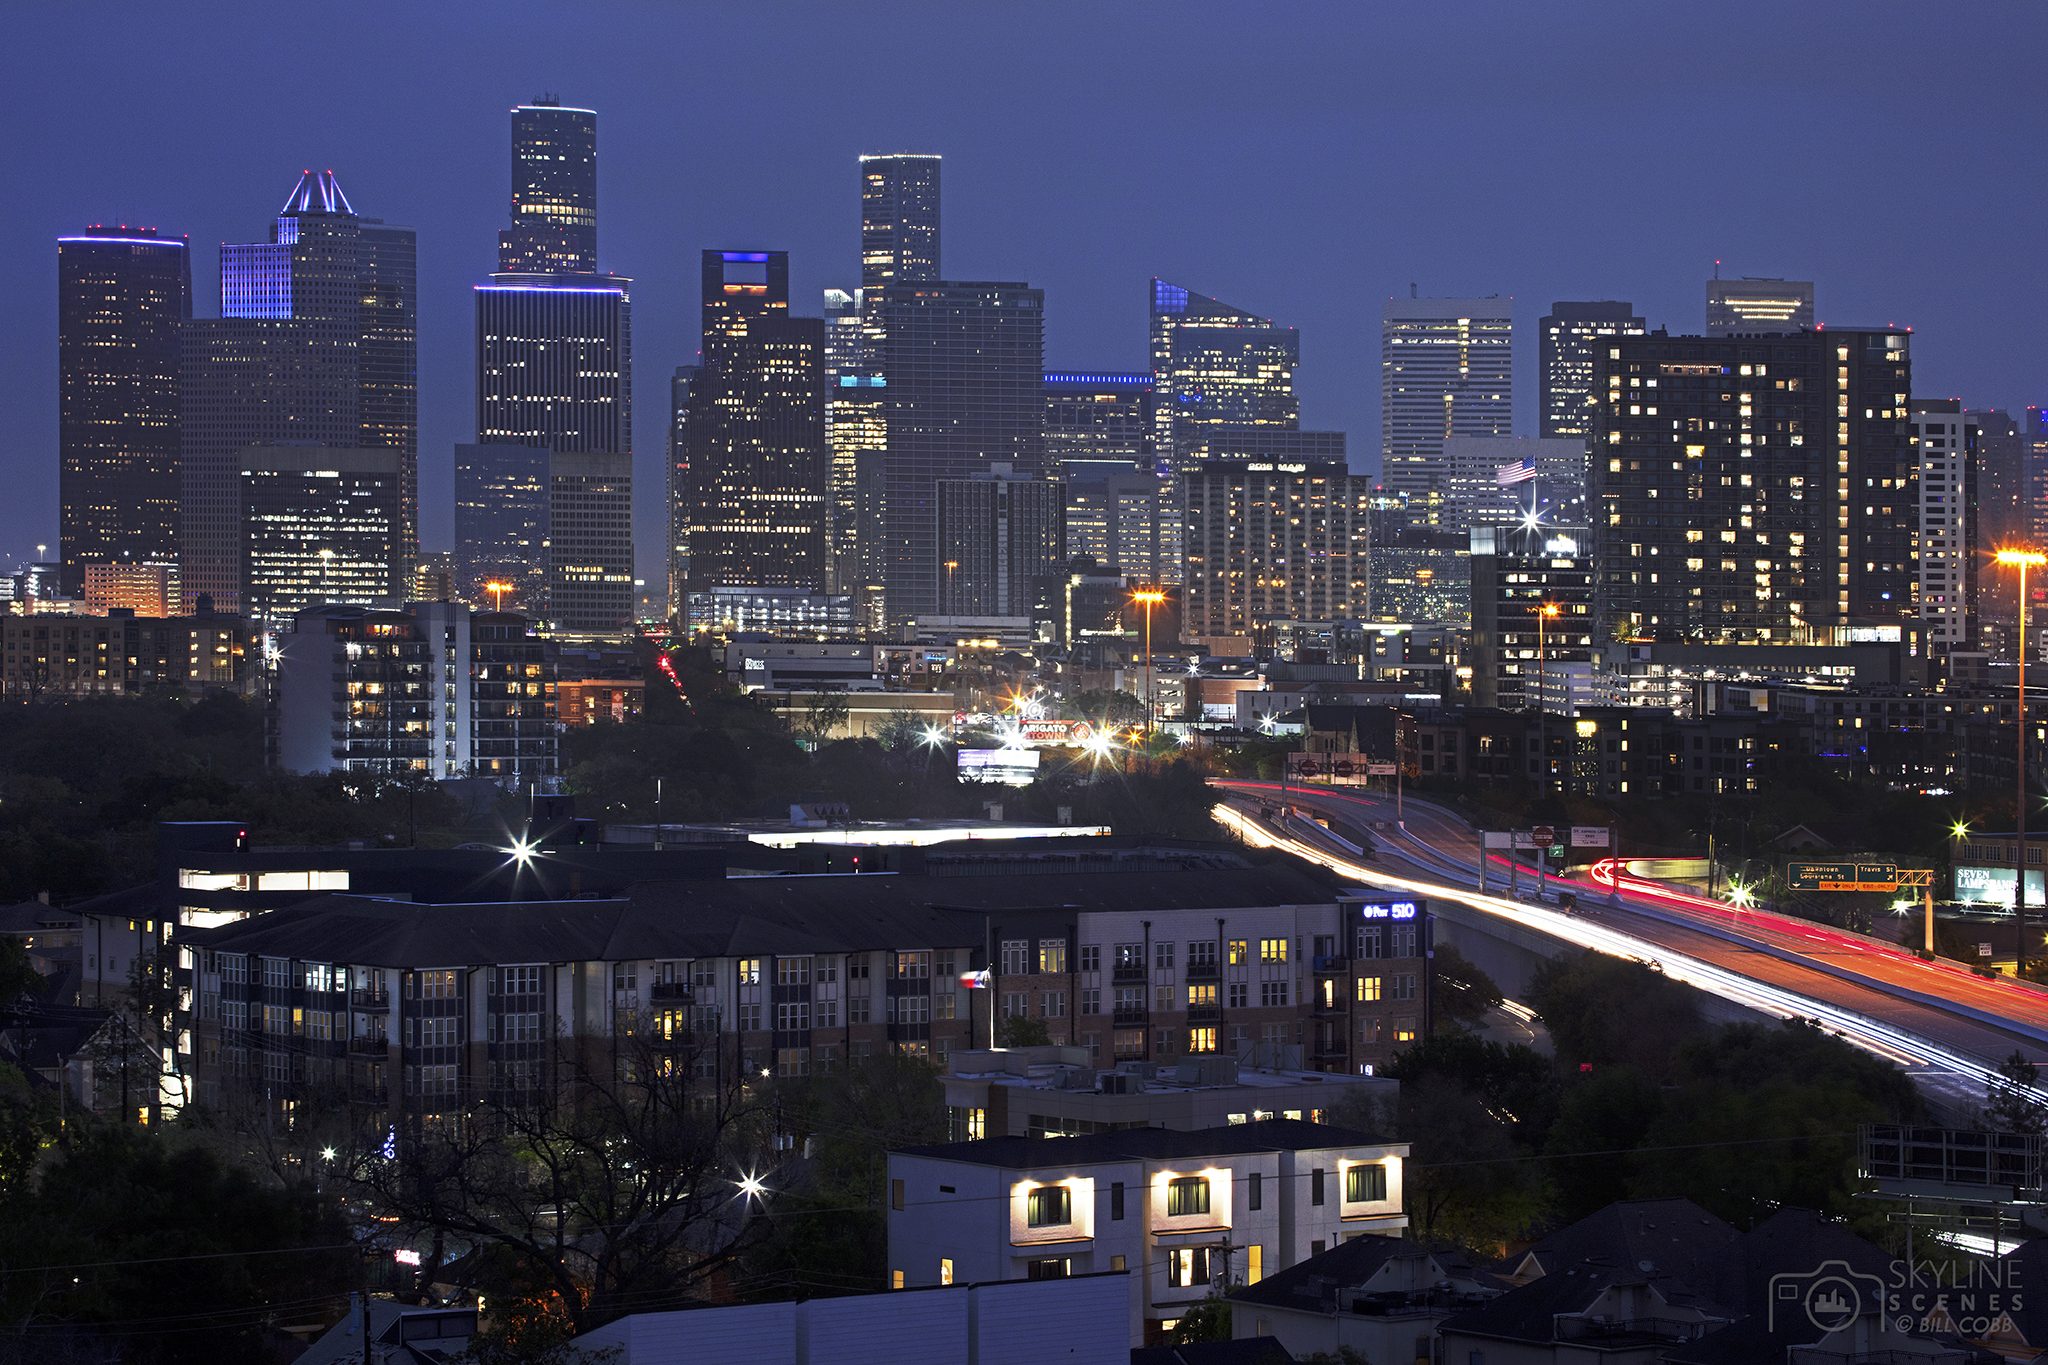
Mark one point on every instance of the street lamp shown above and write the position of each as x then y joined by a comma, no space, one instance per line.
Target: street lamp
1543,614
1148,598
2024,559
951,565
326,564
500,589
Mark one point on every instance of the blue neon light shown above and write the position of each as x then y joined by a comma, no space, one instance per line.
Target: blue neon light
1390,910
1131,379
862,381
1168,298
541,289
743,255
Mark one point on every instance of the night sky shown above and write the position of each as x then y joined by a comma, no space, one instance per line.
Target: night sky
1301,160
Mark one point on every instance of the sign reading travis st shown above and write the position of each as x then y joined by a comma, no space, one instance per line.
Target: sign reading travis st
1842,876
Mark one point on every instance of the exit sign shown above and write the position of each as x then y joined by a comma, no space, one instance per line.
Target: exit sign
1842,876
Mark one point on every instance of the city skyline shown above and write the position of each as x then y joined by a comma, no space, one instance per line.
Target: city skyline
432,156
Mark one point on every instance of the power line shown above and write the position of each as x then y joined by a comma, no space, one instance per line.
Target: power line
162,1260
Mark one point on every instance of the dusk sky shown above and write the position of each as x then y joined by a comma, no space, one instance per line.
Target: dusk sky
1304,161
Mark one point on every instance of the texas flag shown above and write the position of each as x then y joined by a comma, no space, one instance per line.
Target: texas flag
1520,472
975,981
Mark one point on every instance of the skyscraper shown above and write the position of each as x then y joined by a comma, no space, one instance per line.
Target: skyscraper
679,485
899,219
1946,439
1266,543
501,523
855,434
555,366
1000,537
124,296
962,363
759,472
1098,423
320,525
316,344
1446,369
1570,333
1212,364
1756,304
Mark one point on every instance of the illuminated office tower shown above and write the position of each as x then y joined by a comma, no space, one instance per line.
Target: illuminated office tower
555,367
1570,332
1002,539
679,484
1757,305
1265,544
1098,423
758,473
554,191
1446,369
316,344
124,296
501,523
855,433
899,219
320,525
962,365
1214,364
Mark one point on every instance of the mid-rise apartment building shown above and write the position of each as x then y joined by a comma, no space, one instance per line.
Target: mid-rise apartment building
121,654
1273,540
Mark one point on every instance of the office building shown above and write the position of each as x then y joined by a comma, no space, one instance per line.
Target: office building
2034,432
316,345
1287,542
962,364
1446,369
1754,305
899,220
501,524
678,491
856,433
554,192
1181,1212
1127,524
1571,331
590,544
124,296
1001,537
1756,489
555,367
144,589
433,688
1491,479
2003,477
1242,441
320,525
1519,652
759,471
1947,438
1213,363
1098,423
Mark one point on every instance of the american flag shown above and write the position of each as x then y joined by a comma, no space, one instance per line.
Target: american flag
1520,472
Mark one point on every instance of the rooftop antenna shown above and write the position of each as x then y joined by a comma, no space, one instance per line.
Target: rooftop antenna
1411,289
1717,270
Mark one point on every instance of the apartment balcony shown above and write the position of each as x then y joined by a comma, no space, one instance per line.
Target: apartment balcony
1122,973
1130,1018
1204,971
369,1001
369,1045
669,990
1205,1014
1332,966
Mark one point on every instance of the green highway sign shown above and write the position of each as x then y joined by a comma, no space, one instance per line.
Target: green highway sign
1842,876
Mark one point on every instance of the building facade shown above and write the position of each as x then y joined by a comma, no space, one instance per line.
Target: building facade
1215,363
1518,572
1570,334
678,491
1098,424
554,191
1446,369
1757,305
899,219
501,523
1947,439
1002,537
124,654
1490,479
124,296
1273,541
590,543
320,525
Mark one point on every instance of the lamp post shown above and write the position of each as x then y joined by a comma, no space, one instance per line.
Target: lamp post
951,565
2024,559
498,590
326,563
1543,614
1148,598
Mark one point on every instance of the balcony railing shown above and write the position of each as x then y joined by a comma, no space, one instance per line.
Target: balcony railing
1130,1018
1204,971
1121,972
369,1001
669,990
1205,1014
369,1045
1330,965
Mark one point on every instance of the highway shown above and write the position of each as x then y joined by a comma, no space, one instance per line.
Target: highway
1943,1024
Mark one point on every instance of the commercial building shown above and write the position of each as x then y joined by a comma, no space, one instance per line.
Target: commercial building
1446,369
1947,440
1247,441
141,588
678,489
1214,363
1098,424
899,219
1002,538
316,345
1489,479
962,365
1180,1211
555,366
122,654
1518,572
783,613
1757,304
759,473
434,688
1126,524
856,435
1571,333
320,524
501,523
124,296
1278,540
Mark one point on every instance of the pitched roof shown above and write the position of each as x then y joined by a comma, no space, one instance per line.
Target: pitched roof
1149,1144
1530,1312
1242,1351
1790,1241
1646,1235
1346,1265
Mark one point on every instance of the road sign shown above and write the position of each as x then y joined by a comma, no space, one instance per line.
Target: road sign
1379,770
1842,876
1589,836
1543,835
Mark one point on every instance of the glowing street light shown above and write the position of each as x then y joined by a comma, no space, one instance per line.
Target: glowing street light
750,1185
1544,613
2023,560
500,589
1740,896
1148,598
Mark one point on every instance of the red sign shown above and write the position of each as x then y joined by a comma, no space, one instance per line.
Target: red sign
1543,835
1308,768
1343,769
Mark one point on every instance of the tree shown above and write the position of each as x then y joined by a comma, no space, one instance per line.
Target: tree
1467,1185
824,714
1208,1320
1464,993
1603,1114
1607,1011
1019,1031
2013,1098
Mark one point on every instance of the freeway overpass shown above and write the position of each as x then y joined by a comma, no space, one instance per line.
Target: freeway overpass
1945,1025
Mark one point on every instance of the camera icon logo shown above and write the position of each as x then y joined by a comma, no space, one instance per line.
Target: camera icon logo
1830,1296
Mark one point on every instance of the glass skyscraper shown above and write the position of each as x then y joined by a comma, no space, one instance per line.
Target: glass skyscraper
1446,369
554,191
319,526
124,296
1215,364
316,344
899,219
1098,423
1570,333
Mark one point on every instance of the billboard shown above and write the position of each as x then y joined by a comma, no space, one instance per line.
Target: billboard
1993,886
1011,767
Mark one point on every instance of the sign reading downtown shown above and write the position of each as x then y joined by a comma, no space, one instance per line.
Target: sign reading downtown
1842,876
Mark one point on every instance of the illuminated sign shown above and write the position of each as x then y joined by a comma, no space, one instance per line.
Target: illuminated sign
405,1257
1390,910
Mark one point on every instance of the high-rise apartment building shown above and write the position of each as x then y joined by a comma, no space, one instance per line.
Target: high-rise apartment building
899,219
1098,423
1446,369
1756,488
1002,537
962,365
1756,305
1126,523
1215,364
1489,479
320,525
316,345
501,523
1275,541
555,366
1571,332
759,472
124,296
1947,439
